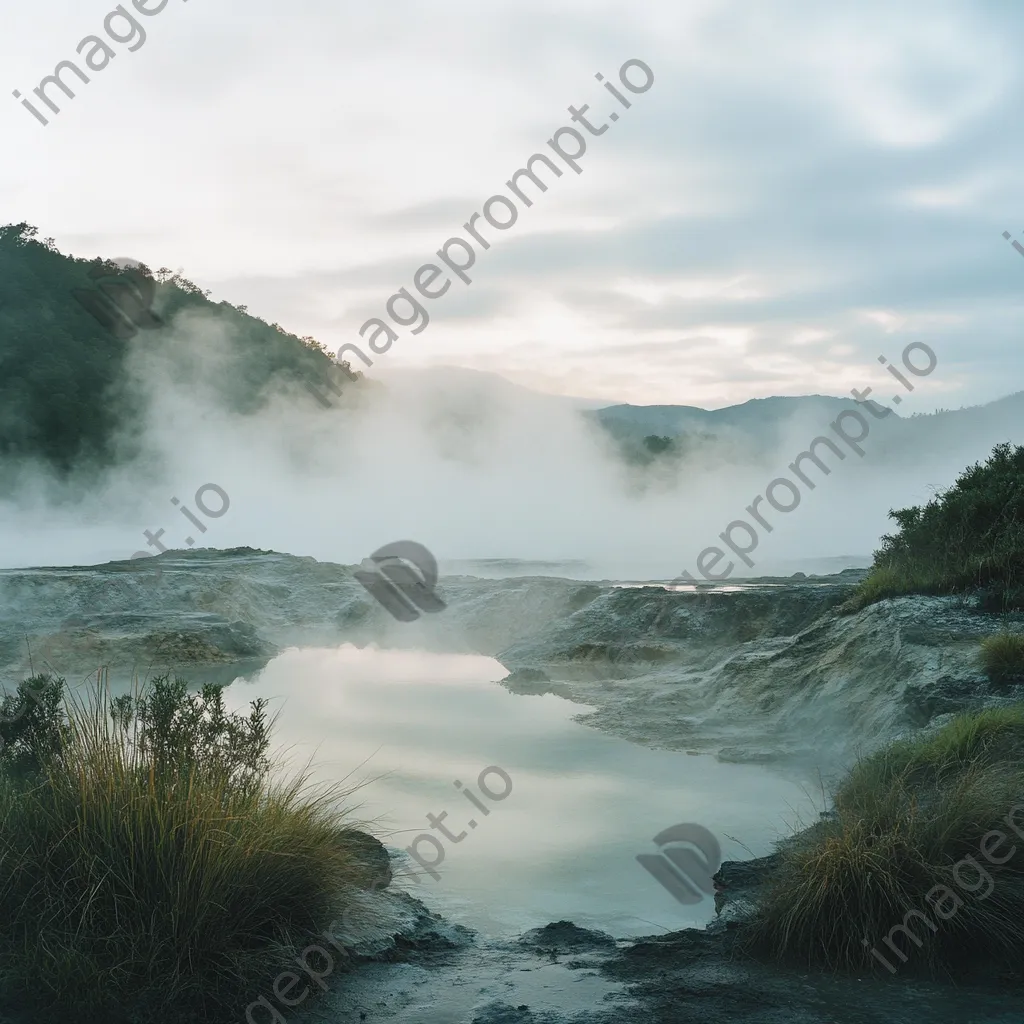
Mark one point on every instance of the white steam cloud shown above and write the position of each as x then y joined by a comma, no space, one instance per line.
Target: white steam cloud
465,463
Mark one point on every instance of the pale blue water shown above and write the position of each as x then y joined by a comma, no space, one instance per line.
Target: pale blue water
562,844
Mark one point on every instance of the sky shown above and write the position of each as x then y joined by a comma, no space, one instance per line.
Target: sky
804,187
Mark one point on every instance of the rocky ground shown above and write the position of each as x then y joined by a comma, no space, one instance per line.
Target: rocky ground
756,672
421,970
763,671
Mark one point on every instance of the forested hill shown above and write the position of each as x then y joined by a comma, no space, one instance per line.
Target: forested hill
64,393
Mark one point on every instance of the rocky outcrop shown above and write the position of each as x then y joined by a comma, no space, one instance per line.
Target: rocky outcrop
183,610
766,673
371,857
757,670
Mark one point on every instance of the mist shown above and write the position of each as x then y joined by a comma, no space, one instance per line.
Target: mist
465,463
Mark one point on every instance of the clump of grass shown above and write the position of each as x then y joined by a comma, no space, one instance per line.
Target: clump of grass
968,539
149,868
903,820
1002,657
883,582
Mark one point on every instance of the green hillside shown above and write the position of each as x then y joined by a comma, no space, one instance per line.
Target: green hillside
64,394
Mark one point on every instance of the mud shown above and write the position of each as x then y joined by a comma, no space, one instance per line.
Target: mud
432,973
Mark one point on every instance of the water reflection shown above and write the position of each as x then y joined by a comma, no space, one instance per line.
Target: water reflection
561,844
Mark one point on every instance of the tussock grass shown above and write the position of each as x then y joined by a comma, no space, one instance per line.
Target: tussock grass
903,819
1002,657
884,581
148,868
969,539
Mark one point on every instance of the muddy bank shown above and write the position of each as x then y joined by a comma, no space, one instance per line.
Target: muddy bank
427,972
410,966
700,978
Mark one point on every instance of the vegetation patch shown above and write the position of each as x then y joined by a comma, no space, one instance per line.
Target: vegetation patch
968,539
1002,657
150,869
899,870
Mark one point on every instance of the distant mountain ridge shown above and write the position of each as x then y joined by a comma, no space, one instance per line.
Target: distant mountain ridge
759,426
743,432
756,419
739,432
754,413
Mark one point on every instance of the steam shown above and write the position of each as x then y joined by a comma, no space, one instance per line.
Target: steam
466,464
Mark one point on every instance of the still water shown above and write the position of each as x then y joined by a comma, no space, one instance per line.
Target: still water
561,844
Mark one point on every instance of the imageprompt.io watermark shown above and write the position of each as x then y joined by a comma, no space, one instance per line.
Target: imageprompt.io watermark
121,27
498,213
153,539
436,819
942,900
689,858
402,577
123,304
788,501
1014,242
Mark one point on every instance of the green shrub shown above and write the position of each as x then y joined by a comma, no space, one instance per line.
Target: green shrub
183,733
1002,657
32,726
902,821
149,868
968,539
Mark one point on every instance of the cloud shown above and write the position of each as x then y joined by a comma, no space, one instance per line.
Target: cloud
788,170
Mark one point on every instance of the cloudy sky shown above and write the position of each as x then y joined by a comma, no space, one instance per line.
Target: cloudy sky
804,187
